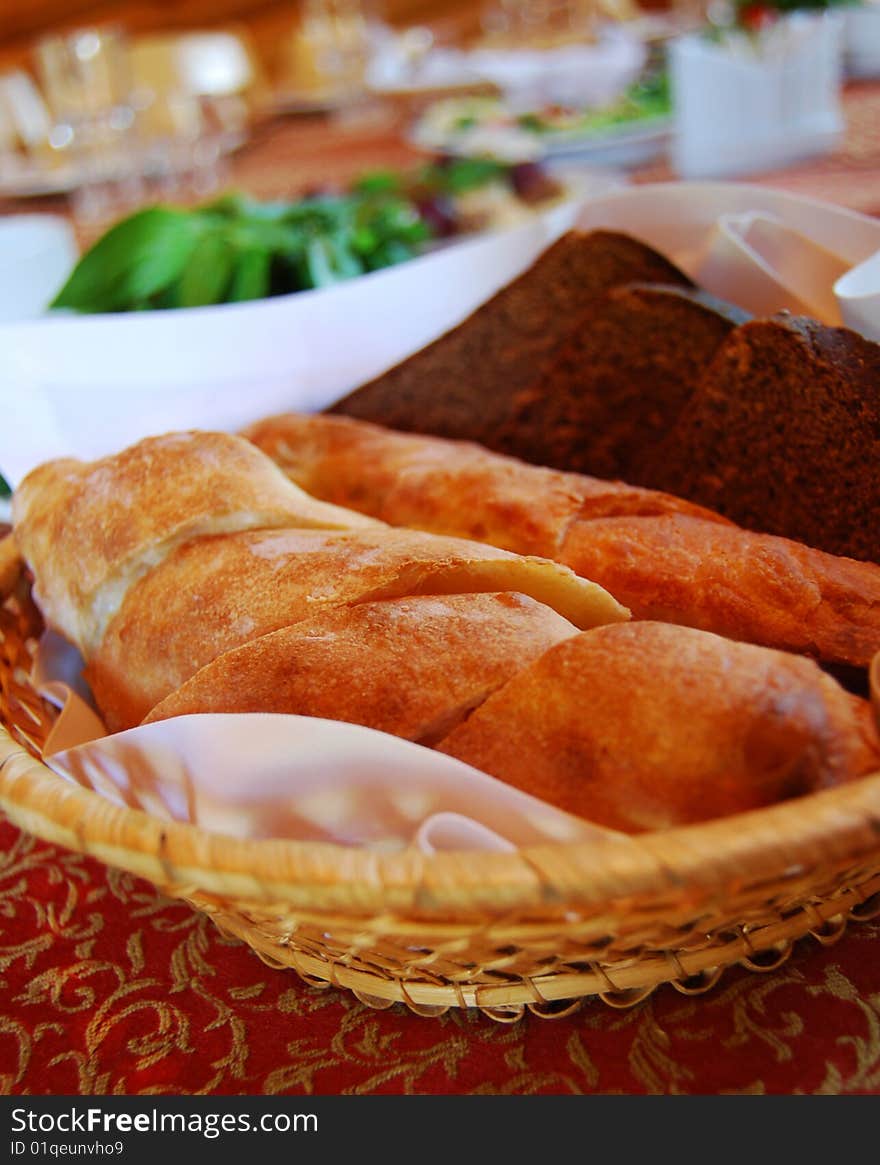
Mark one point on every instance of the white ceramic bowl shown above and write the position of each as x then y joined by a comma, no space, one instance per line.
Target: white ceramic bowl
88,385
37,252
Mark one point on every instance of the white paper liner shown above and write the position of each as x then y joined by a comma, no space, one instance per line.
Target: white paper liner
773,267
257,775
858,294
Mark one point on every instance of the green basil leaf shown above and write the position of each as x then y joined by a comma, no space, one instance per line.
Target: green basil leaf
207,274
250,278
133,261
318,264
379,182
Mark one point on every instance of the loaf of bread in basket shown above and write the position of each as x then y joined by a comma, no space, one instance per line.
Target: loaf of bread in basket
195,577
665,558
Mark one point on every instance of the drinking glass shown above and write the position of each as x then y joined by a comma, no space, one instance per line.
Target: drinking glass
539,23
337,35
86,82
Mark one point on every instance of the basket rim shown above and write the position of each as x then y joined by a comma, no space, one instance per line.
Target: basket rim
789,844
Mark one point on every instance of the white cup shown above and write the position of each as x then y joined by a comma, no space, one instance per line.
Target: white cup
858,296
37,253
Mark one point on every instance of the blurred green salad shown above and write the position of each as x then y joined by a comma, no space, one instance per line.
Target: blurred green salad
236,248
647,99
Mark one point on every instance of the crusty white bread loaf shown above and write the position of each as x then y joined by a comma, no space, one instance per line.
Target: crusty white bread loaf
414,667
665,558
106,522
679,726
215,593
502,660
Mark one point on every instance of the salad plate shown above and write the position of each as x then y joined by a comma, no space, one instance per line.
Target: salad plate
634,126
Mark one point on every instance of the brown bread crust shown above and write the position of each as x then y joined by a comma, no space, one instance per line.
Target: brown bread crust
619,382
783,436
465,383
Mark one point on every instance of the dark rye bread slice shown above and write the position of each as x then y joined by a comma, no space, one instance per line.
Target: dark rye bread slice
462,384
618,384
783,436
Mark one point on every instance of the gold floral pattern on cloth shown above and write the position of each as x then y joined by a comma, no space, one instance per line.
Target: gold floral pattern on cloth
107,987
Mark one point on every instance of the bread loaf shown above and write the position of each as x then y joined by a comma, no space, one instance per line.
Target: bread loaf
617,384
665,558
682,726
215,593
783,435
414,667
448,642
467,382
202,569
105,523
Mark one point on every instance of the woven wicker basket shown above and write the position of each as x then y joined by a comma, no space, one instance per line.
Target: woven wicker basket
540,928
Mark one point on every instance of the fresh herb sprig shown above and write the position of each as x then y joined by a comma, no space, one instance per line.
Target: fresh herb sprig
237,248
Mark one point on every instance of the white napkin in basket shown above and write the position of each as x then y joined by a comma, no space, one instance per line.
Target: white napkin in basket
760,248
858,294
771,266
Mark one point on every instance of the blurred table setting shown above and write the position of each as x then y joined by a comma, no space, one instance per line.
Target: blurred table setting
98,121
161,175
115,121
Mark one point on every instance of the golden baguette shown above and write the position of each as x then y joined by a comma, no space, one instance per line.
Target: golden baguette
413,667
663,557
217,592
90,530
157,560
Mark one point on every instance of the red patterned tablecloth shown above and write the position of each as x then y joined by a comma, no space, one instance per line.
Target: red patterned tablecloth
108,987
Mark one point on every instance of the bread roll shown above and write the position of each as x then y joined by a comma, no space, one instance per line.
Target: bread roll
159,559
215,593
413,667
